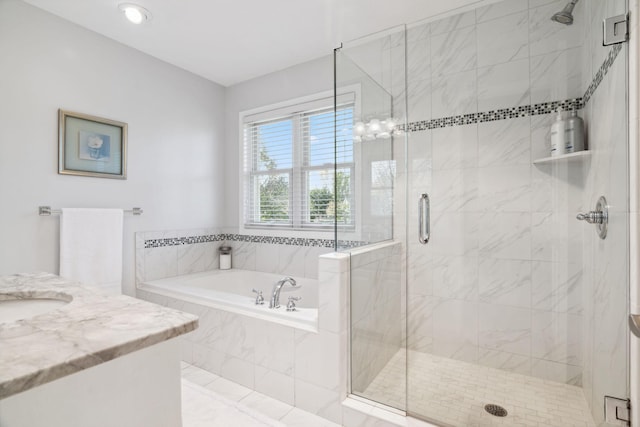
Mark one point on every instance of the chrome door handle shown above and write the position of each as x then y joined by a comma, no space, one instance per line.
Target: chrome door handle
424,218
634,324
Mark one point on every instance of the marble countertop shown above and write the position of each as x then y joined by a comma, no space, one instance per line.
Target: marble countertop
93,328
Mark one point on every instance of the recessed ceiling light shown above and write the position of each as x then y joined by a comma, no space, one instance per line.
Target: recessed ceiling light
134,13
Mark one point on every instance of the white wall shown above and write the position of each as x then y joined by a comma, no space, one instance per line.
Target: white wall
305,79
175,156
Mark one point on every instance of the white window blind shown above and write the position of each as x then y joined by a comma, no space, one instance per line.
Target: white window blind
288,168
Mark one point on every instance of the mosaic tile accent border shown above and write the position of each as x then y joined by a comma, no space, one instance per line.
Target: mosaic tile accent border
289,241
501,114
604,69
521,111
178,241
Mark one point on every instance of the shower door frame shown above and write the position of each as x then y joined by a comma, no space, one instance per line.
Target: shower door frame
633,137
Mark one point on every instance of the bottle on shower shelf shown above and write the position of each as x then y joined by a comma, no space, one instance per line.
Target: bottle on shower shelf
574,133
558,141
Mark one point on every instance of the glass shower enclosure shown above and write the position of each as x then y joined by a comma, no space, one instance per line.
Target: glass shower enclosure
492,304
378,134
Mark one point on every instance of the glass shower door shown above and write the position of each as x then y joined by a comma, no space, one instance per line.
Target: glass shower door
516,310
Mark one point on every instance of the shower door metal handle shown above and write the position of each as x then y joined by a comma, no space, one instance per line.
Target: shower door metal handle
634,324
424,219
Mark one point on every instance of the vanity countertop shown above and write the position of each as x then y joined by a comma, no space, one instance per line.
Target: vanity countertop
93,328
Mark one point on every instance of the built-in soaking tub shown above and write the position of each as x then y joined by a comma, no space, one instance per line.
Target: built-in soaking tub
296,357
232,290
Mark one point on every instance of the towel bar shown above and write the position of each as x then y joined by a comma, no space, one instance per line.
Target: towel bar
47,211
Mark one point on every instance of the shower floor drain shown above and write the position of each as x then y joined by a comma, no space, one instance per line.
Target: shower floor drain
496,410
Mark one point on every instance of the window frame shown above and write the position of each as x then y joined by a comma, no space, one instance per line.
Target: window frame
254,172
298,173
306,167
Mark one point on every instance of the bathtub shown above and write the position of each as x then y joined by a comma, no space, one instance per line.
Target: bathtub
232,290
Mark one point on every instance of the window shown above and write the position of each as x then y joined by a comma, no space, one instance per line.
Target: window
288,167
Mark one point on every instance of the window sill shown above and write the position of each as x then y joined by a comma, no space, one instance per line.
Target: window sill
302,233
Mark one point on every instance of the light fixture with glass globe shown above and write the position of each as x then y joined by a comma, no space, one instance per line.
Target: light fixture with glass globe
375,129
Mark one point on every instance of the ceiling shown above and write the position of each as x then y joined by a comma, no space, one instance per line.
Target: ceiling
230,41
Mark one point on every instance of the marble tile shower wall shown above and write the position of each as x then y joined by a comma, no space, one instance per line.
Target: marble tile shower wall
500,283
161,254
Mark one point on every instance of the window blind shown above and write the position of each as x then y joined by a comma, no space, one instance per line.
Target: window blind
289,169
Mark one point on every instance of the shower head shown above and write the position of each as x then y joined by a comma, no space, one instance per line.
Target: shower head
565,15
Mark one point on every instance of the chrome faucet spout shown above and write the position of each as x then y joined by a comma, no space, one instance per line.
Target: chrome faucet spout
274,302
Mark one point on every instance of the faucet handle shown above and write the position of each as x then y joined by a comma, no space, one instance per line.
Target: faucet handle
291,305
259,297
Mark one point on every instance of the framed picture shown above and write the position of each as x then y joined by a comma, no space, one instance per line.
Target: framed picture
91,146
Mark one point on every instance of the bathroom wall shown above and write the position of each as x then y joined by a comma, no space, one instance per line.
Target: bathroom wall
176,136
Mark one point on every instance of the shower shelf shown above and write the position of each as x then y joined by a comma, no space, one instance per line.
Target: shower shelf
571,157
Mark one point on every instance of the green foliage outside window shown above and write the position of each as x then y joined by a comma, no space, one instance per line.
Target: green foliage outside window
322,202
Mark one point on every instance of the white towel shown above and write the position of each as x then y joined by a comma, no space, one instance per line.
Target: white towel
91,247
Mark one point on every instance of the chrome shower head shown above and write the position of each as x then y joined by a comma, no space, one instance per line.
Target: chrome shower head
565,15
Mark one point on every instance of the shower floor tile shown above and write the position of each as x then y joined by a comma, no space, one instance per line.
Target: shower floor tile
451,392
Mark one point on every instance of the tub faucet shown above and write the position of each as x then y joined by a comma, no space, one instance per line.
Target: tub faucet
275,294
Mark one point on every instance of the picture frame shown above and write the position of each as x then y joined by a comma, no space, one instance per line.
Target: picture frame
91,146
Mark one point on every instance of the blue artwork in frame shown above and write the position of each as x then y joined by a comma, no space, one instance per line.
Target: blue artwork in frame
92,146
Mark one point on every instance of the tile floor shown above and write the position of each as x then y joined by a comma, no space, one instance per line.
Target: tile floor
211,401
455,393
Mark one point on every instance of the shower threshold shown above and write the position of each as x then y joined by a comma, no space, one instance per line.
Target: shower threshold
455,393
